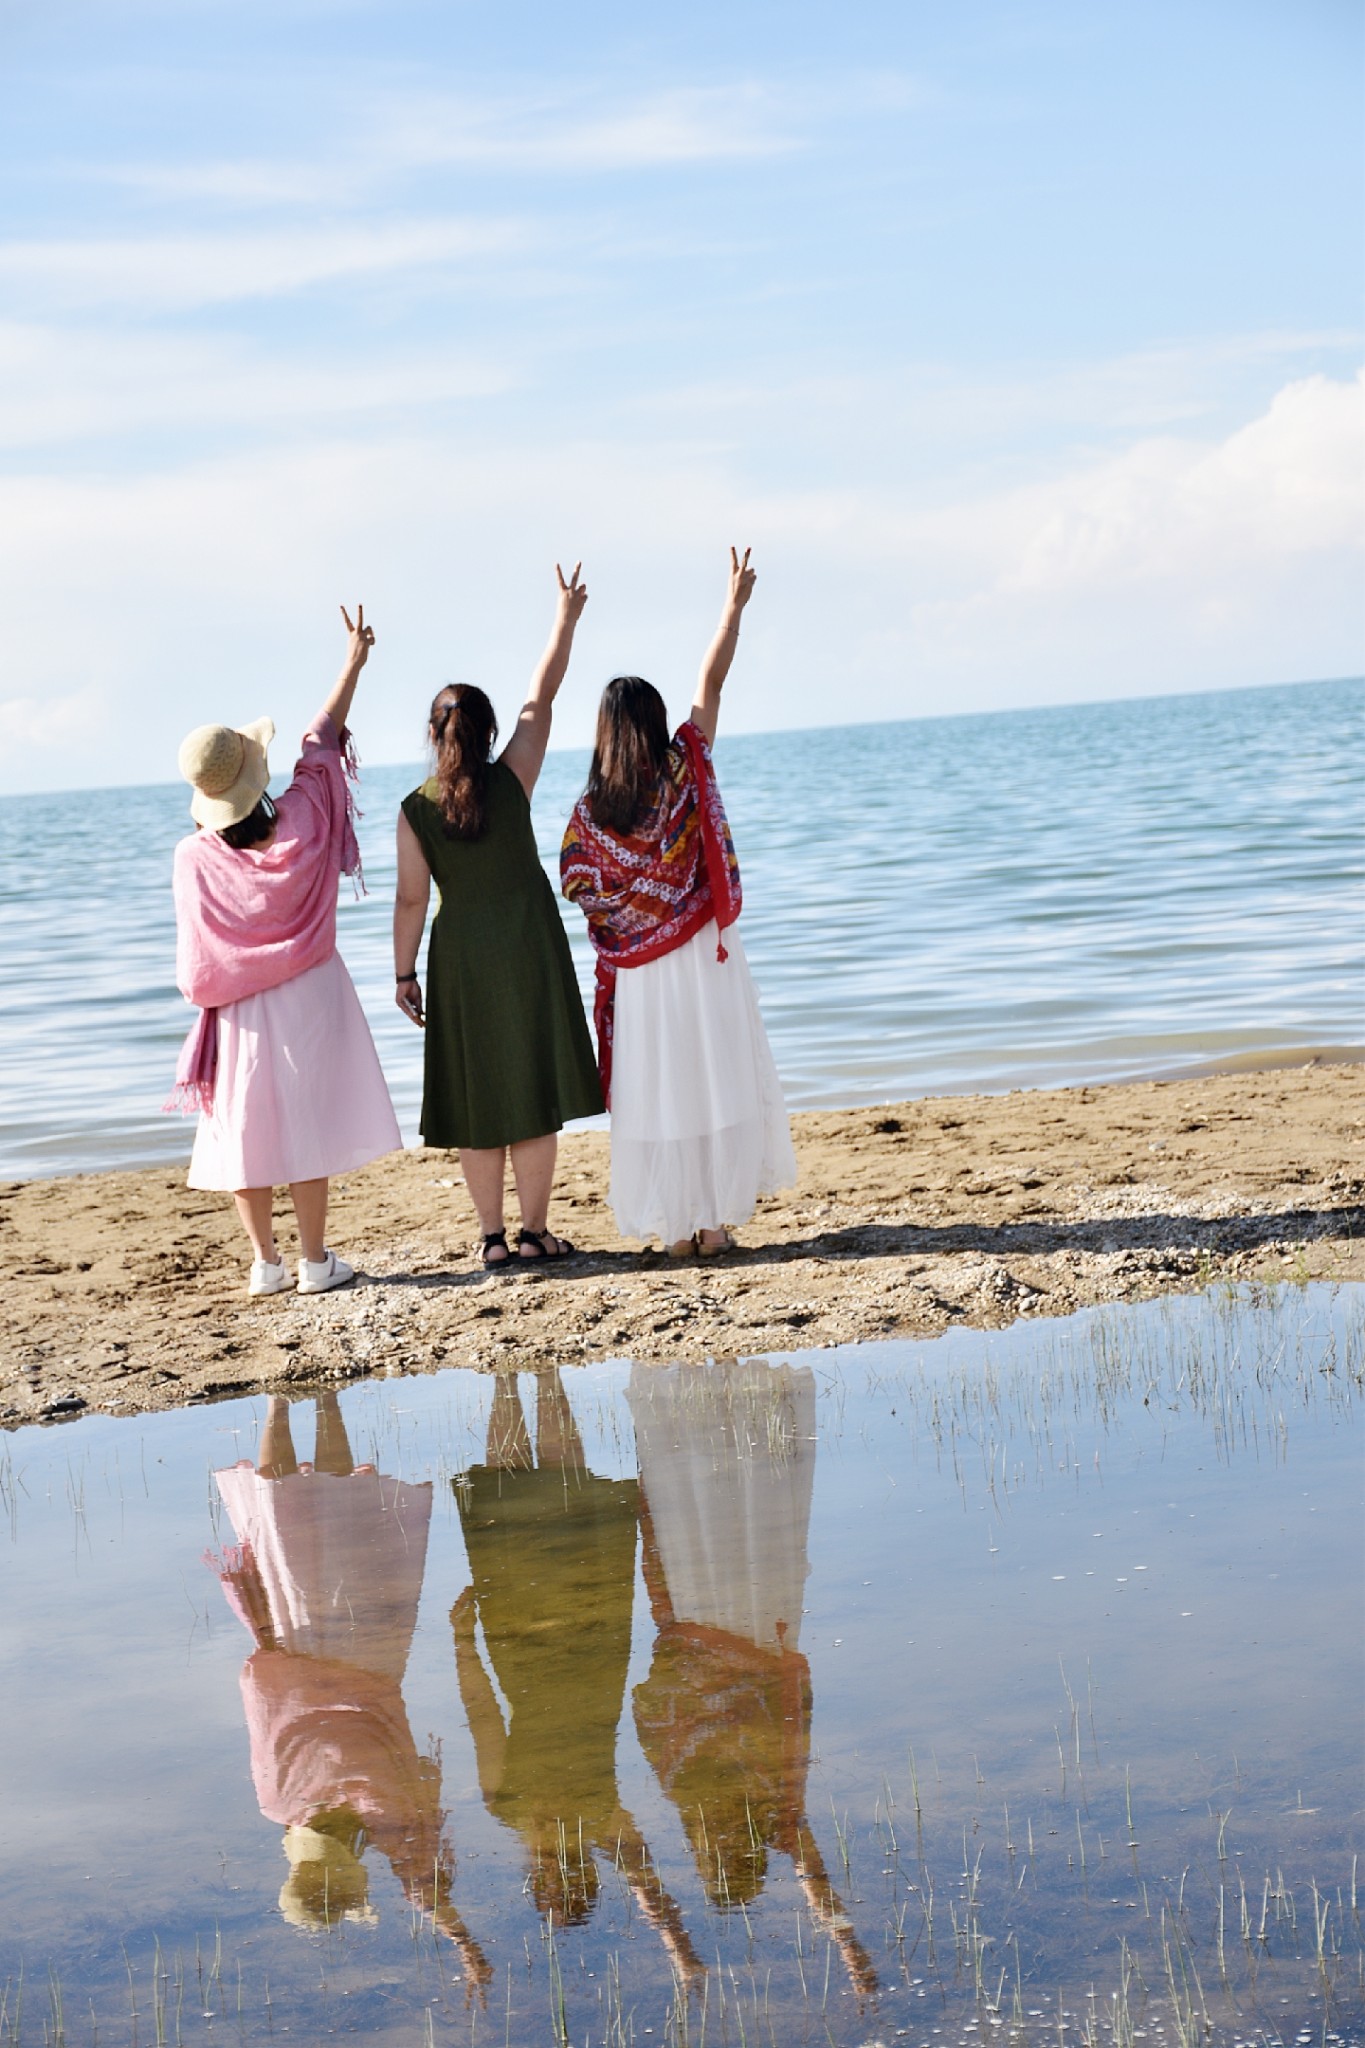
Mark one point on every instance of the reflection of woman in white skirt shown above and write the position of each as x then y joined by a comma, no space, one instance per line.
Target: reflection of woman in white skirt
698,1126
727,1467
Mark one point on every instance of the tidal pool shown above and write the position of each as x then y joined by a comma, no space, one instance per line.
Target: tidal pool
1004,1686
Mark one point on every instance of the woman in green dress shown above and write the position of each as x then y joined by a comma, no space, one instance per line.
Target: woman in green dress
508,1059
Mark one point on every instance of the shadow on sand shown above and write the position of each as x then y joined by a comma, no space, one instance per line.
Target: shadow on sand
1159,1235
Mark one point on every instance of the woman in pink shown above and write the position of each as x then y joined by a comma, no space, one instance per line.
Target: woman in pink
281,1065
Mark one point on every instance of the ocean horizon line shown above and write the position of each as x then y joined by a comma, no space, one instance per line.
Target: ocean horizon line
732,732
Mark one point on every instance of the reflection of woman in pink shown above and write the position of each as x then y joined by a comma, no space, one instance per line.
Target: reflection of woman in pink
727,1459
327,1575
552,1558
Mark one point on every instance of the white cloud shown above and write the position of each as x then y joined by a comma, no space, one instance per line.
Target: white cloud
1168,510
1178,564
936,422
714,124
1290,482
161,273
37,724
395,136
61,385
246,182
212,590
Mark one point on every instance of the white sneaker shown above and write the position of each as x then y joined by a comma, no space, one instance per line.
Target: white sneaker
317,1275
269,1278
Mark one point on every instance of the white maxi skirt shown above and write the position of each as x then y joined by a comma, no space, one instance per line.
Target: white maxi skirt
698,1125
300,1094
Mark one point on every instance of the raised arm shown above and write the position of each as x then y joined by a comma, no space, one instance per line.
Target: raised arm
409,919
525,751
715,665
659,1909
480,1702
358,645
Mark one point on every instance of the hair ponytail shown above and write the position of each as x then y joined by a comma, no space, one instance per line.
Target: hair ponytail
628,757
464,731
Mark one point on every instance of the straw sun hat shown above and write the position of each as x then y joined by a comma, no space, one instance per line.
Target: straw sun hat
228,769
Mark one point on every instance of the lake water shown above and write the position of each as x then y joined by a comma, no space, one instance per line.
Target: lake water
954,904
1007,1685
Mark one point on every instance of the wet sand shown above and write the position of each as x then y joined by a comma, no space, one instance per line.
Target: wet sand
125,1291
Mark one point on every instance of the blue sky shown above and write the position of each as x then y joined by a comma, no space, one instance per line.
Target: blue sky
1023,343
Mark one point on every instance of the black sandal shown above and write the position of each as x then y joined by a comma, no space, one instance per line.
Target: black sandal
542,1250
493,1239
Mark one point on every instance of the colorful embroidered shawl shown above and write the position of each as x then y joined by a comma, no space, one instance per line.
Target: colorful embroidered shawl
247,921
648,893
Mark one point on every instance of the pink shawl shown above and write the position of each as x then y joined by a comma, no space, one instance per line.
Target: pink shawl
247,921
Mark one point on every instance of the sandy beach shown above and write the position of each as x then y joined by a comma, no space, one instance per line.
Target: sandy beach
125,1290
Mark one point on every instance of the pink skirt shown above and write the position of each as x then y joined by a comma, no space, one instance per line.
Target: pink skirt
300,1094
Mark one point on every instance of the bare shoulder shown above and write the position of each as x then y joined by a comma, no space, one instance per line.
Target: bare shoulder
521,762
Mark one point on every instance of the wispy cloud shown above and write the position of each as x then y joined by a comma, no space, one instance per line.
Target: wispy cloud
165,273
715,124
395,137
1179,563
1288,483
40,724
924,435
250,183
402,299
60,386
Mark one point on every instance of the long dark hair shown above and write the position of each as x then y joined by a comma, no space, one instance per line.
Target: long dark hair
464,732
256,826
628,757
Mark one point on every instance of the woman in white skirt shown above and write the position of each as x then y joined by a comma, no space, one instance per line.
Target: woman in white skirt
698,1125
281,1065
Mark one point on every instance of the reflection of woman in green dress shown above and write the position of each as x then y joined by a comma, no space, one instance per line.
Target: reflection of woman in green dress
727,1459
508,1059
552,1557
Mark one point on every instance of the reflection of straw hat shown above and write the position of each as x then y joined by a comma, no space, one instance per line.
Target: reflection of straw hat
327,1881
228,768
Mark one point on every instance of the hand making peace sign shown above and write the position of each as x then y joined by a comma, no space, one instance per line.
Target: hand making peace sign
741,579
573,595
362,637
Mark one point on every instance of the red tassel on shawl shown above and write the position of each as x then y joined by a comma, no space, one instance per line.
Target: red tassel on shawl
721,874
604,1022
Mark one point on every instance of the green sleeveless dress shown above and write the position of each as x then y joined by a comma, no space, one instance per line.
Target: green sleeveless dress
507,1050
